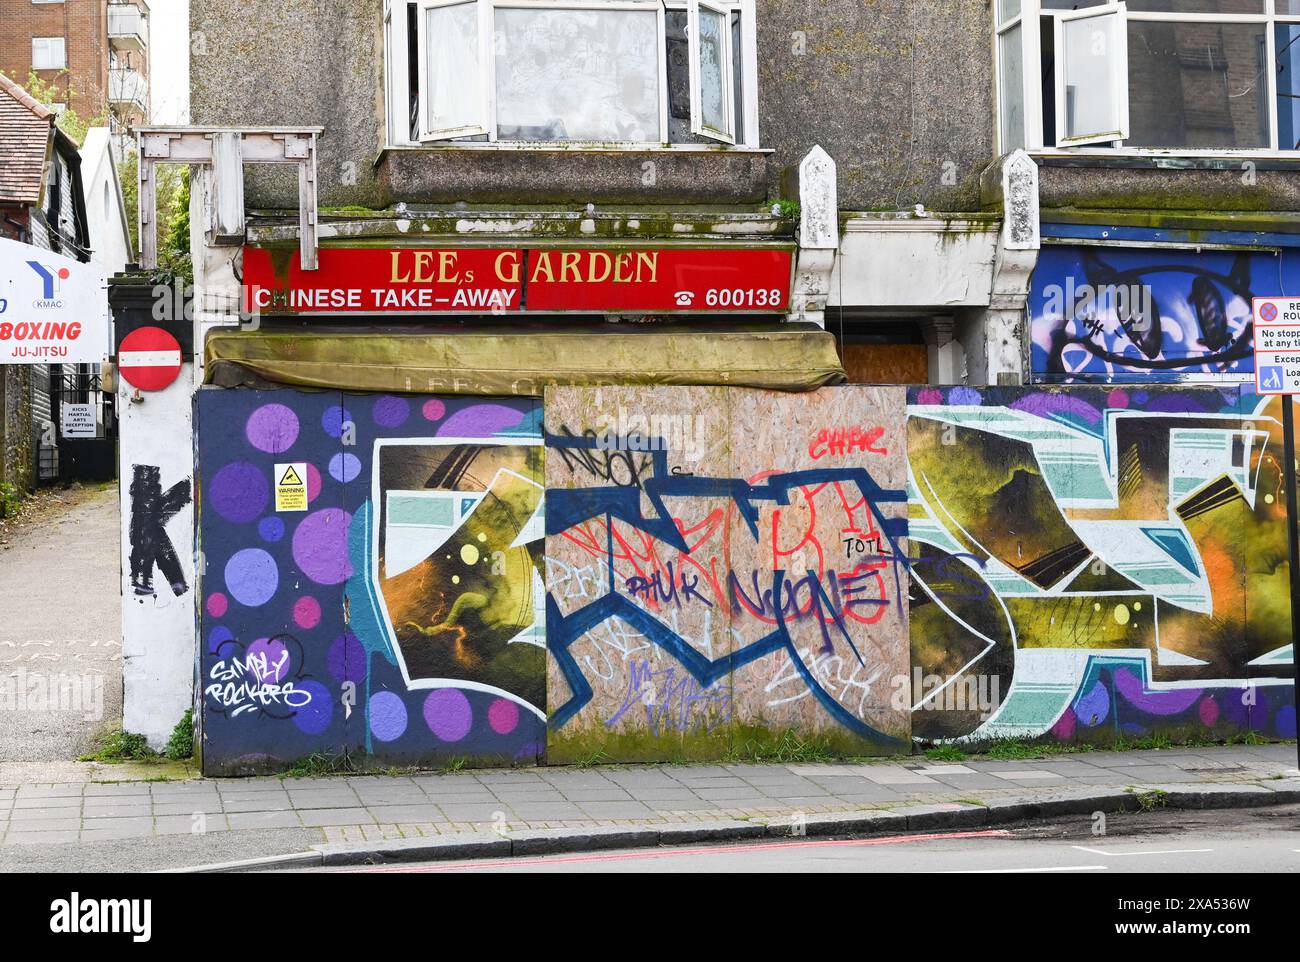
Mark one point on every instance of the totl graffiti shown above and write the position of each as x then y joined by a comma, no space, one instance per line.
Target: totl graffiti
1061,562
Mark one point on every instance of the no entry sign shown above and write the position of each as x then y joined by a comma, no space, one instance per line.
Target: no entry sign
149,358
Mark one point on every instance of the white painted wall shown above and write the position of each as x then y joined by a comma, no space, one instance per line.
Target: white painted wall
110,240
896,261
158,629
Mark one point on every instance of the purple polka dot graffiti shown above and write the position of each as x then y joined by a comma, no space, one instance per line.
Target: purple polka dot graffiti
385,620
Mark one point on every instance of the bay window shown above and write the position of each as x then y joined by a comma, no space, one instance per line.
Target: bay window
1182,75
612,72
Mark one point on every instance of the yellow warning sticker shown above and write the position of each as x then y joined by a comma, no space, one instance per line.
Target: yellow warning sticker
291,486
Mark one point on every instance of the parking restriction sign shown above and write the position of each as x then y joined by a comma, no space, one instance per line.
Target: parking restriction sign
1277,345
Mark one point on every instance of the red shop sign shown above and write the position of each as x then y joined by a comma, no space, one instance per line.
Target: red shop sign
514,280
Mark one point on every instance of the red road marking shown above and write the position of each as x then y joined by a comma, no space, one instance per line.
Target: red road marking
677,852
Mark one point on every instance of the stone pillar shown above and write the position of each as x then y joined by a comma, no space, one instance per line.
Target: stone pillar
998,344
819,237
946,356
217,292
157,501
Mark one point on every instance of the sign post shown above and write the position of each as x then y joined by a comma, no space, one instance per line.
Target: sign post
1277,372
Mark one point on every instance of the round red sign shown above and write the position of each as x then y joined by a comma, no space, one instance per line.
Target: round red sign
149,358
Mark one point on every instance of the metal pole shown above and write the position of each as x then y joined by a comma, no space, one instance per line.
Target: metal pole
1293,540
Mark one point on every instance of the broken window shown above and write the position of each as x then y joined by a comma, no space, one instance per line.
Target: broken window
624,72
1206,75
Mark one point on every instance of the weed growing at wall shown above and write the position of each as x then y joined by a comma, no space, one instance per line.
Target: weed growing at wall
317,764
1252,738
945,753
788,748
1156,741
1014,748
116,745
597,757
180,747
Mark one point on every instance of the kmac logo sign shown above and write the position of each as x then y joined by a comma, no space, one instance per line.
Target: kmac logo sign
53,308
52,279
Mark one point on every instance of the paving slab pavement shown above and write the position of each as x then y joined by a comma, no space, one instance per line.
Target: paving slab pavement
369,812
61,662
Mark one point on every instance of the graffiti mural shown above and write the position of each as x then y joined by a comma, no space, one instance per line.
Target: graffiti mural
687,572
400,616
1143,314
724,566
1105,562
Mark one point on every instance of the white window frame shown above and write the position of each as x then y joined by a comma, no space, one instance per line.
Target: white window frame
727,134
486,105
743,130
395,73
1031,12
48,43
1030,96
1118,15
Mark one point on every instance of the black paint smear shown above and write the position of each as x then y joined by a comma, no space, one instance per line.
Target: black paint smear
151,509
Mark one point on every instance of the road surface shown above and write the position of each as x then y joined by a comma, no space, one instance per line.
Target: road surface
1240,840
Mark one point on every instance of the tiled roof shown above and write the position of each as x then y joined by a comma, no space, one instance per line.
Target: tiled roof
24,139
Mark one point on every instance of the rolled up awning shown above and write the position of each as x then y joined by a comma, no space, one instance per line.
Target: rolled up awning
523,361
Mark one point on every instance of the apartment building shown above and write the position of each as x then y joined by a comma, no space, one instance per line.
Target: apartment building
95,54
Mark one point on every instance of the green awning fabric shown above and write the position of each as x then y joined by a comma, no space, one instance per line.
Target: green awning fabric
500,361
